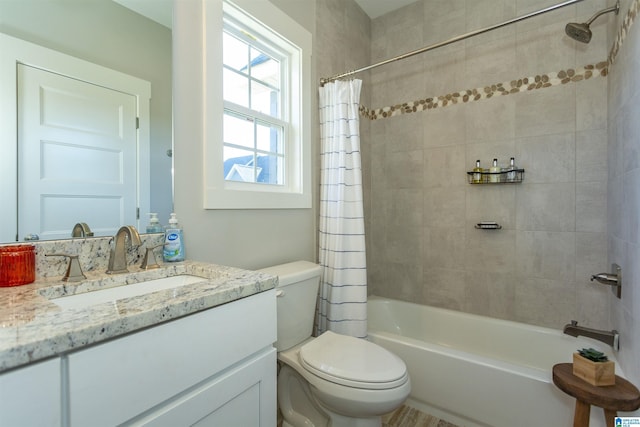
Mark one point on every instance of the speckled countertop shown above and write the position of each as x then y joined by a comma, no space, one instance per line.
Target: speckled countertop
33,328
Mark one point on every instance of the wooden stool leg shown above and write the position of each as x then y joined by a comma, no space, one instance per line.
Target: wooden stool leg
609,417
581,414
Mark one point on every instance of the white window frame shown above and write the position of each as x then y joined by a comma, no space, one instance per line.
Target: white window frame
278,28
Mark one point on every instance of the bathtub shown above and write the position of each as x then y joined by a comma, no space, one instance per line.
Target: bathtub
478,371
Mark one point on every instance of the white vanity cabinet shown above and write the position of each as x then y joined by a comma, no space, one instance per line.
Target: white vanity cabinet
31,396
216,367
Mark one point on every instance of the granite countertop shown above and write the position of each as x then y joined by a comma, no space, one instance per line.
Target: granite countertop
33,328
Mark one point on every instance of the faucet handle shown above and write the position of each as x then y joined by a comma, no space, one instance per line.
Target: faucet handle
149,261
81,229
74,271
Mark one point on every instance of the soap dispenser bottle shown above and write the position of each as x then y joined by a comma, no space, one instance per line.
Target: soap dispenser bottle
154,224
173,241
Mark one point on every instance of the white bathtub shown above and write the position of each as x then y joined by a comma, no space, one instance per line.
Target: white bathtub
478,371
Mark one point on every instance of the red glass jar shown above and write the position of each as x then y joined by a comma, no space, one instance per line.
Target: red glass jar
17,265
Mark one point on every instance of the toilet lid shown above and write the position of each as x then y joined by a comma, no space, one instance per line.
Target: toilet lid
353,362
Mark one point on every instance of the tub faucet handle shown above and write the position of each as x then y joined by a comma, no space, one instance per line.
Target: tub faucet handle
613,279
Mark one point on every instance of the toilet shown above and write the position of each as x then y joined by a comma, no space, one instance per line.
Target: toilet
332,380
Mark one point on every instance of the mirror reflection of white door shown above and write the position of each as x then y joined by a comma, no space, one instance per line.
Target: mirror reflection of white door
77,155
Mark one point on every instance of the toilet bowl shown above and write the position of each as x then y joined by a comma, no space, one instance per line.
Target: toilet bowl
333,379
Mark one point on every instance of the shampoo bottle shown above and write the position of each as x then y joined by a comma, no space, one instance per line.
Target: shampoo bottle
511,174
154,224
495,172
477,173
173,241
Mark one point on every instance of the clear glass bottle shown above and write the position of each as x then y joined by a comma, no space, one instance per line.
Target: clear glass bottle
477,173
511,170
494,172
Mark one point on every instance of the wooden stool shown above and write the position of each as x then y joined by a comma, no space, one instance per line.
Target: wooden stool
623,396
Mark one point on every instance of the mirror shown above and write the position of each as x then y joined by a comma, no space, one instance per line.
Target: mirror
106,33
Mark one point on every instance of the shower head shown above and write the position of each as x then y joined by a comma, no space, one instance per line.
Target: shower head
581,31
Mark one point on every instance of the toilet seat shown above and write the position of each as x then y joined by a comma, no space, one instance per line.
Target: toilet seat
352,362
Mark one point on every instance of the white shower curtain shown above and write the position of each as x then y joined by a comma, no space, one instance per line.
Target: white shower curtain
342,302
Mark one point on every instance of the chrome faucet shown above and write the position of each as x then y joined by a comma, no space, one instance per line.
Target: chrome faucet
118,258
613,279
81,229
608,337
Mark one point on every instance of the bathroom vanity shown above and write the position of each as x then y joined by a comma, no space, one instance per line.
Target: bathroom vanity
197,353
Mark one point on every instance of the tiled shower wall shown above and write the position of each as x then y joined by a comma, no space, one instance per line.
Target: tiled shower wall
343,42
624,190
422,244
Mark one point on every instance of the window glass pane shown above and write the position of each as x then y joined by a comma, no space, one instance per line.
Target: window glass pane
235,53
267,70
239,165
265,99
257,57
272,169
236,88
253,147
269,138
238,131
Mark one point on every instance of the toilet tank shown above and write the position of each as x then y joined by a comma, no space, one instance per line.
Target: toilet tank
296,292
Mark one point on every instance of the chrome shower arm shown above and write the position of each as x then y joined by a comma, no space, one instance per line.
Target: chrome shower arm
615,9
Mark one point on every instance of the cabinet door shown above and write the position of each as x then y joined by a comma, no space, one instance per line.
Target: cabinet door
120,379
242,396
30,396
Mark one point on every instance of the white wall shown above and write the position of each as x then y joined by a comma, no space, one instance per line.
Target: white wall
242,238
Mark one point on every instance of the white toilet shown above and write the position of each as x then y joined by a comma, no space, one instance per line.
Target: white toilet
332,380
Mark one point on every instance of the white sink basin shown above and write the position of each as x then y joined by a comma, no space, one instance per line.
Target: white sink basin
125,291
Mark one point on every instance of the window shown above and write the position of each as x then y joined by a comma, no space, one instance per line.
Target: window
263,157
254,129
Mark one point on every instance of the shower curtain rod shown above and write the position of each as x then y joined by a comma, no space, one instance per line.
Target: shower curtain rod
325,80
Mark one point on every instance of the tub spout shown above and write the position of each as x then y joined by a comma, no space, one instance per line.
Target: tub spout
611,338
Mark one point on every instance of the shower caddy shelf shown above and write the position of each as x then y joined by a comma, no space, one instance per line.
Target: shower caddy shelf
485,177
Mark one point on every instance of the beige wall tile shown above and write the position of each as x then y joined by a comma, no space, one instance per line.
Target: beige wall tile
490,250
444,288
546,207
444,247
546,255
444,207
591,206
545,302
491,120
445,167
548,158
491,203
546,112
591,105
490,294
591,155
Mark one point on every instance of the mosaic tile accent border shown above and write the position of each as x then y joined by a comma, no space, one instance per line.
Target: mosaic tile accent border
514,86
499,89
624,29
